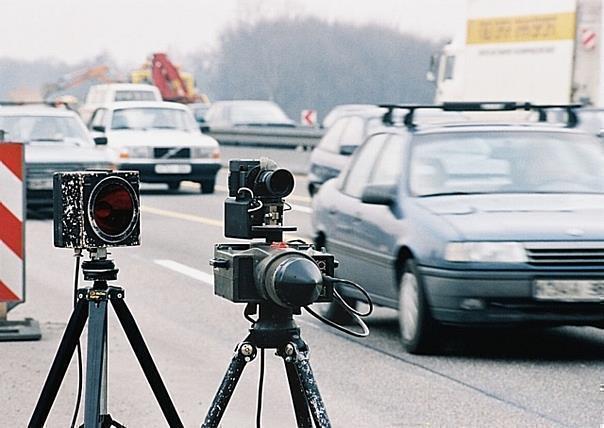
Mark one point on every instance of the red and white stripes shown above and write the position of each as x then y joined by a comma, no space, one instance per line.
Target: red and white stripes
12,243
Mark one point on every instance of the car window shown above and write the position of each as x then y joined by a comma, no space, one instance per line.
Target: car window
506,162
98,118
153,118
331,139
389,166
360,171
134,95
353,133
44,128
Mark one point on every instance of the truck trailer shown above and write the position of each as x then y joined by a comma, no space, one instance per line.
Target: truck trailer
546,52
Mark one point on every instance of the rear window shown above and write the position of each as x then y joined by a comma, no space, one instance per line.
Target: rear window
135,96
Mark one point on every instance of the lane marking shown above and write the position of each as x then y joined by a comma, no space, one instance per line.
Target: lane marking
207,221
187,271
301,208
182,216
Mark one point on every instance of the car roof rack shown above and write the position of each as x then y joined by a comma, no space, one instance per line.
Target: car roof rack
491,106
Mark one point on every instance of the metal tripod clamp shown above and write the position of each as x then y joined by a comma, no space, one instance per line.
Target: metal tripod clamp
247,351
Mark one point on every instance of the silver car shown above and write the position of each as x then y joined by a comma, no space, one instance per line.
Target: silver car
56,140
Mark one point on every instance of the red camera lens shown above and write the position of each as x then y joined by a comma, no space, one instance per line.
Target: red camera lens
113,209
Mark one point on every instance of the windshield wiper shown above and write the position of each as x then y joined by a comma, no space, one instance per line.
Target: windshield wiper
52,140
450,194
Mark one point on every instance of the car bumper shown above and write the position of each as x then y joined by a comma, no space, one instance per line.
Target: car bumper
503,297
199,171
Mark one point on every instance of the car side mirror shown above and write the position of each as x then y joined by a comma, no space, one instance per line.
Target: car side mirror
100,141
98,128
347,150
600,133
205,129
379,194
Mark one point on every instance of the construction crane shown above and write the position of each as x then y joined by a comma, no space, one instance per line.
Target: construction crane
173,84
99,73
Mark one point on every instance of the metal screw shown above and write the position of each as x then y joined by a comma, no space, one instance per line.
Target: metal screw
246,350
289,349
119,295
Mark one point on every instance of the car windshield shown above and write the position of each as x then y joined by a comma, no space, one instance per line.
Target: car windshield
153,118
258,113
135,95
43,128
506,162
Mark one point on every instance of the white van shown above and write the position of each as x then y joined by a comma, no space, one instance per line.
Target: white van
101,95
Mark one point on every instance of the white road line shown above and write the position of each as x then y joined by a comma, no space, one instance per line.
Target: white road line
187,270
302,209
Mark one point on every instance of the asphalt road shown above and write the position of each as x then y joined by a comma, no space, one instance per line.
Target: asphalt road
534,378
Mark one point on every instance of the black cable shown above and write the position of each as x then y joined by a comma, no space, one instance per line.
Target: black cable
78,347
260,386
330,323
355,314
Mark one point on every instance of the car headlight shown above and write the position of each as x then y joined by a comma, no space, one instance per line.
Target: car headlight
139,152
205,152
498,252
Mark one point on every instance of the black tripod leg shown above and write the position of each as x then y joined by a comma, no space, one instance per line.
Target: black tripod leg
244,353
303,417
97,316
72,334
302,368
146,361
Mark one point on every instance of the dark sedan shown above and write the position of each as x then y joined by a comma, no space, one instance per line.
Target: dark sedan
471,225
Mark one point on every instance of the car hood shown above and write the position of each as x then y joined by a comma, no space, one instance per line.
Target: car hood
54,152
521,217
158,138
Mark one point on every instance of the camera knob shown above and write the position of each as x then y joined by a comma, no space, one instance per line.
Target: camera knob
219,263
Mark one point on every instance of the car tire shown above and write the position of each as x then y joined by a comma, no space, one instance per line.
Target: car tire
418,329
312,190
207,186
174,186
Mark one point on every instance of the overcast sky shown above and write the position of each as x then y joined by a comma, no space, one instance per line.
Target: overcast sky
129,30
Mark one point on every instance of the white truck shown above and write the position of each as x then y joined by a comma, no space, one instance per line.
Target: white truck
547,52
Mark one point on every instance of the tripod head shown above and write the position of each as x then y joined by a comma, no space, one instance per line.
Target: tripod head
99,268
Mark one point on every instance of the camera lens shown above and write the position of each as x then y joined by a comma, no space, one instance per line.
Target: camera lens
279,183
113,209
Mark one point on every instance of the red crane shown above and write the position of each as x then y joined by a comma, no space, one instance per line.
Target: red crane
169,81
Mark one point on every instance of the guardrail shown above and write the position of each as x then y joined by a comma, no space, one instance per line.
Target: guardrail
282,138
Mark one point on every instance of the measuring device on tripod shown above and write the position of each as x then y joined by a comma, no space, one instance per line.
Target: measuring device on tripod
276,280
95,210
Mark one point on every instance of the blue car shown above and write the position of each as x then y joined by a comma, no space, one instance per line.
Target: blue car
471,224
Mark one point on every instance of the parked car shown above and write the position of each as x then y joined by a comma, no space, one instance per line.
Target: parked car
55,140
161,140
343,110
339,143
247,113
471,224
100,95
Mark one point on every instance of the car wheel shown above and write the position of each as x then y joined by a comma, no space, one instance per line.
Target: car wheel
207,186
175,185
311,190
418,329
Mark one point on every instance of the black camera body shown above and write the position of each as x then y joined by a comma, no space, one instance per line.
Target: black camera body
256,273
96,209
290,275
254,208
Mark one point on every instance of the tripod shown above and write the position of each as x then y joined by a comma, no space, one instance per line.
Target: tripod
92,306
277,329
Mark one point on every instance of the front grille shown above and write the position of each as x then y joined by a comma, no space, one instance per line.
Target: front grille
171,153
566,254
46,170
